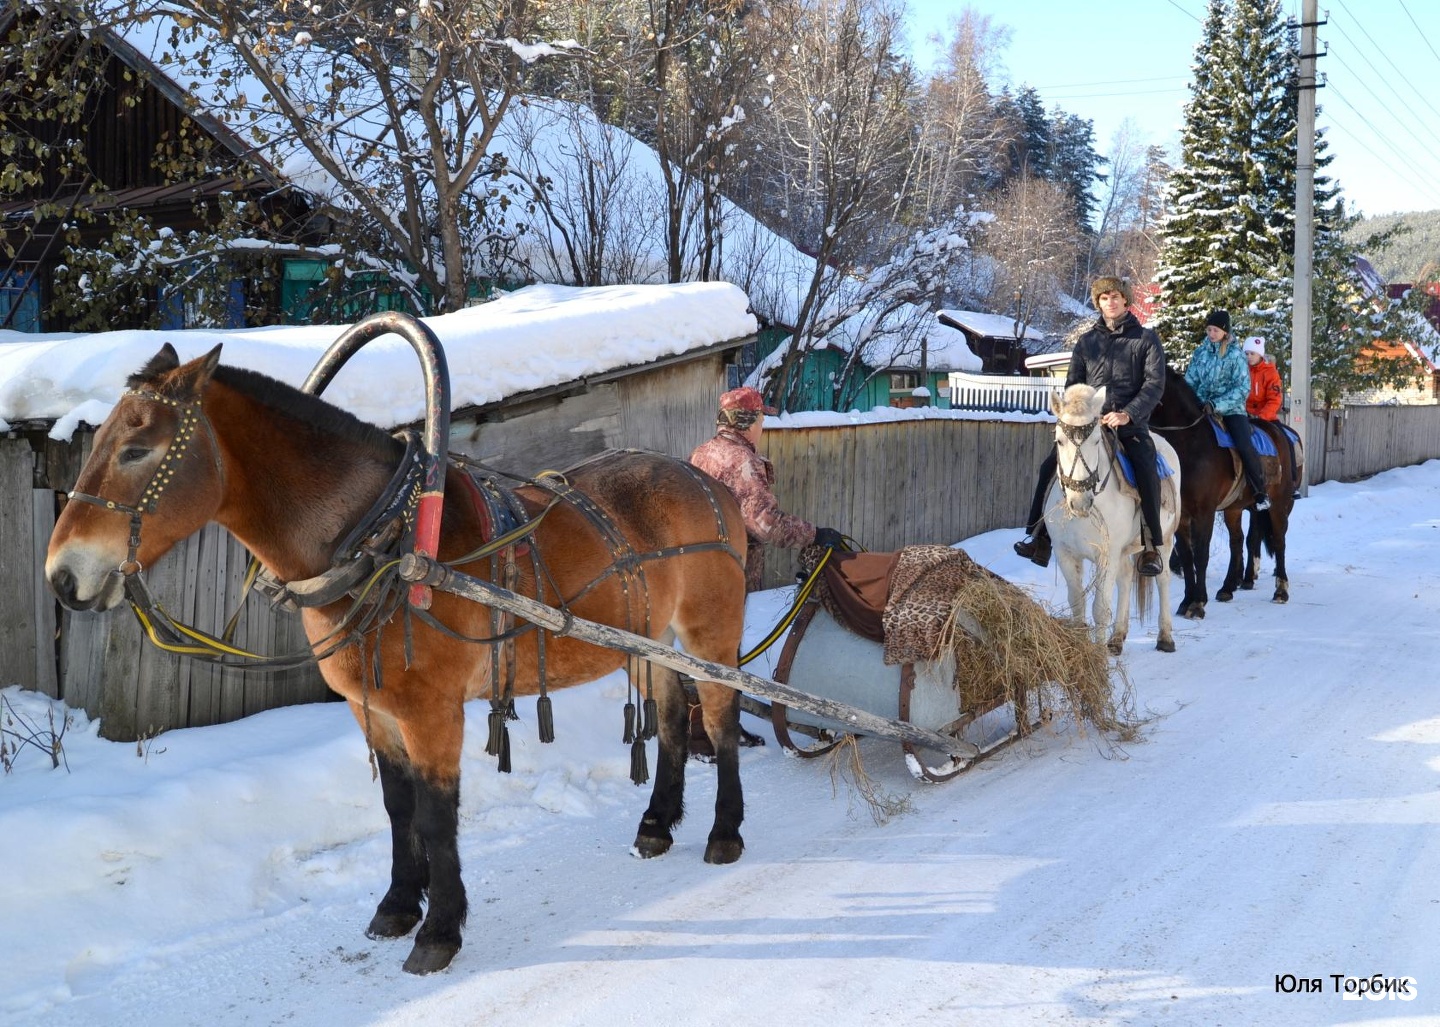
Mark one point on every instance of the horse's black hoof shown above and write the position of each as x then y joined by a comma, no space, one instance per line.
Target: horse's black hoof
429,957
1166,645
724,850
391,925
1115,646
648,846
1223,596
1281,597
1247,586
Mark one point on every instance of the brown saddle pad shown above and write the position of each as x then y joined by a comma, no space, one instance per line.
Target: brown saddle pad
859,585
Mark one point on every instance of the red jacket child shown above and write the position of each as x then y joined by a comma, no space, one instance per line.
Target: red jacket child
1266,392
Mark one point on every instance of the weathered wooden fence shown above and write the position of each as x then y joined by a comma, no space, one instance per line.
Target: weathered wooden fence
887,484
898,483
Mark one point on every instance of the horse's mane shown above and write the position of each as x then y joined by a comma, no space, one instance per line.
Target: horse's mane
285,399
1179,392
323,416
1075,401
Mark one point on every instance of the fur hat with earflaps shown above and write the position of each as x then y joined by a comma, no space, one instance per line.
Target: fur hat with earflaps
1109,283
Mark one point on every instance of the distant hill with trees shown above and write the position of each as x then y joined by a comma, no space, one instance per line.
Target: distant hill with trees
1413,249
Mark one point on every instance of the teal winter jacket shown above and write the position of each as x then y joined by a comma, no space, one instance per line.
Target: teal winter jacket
1221,381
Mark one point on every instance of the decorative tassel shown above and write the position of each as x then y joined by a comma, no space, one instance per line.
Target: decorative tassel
639,765
546,716
504,765
629,723
651,720
497,729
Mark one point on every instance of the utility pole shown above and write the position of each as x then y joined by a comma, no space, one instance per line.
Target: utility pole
1301,323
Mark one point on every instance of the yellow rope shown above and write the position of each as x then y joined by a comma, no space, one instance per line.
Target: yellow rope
800,599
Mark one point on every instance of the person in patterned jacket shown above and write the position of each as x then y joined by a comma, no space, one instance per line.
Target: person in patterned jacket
731,457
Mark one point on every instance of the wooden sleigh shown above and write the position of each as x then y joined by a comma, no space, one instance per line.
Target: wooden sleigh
835,649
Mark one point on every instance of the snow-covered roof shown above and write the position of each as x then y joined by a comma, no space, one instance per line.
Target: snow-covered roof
535,338
993,326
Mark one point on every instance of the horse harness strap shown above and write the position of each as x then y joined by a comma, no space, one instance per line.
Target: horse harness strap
1091,482
191,414
390,519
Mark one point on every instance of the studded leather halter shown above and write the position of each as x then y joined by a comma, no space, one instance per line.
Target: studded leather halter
191,417
1071,481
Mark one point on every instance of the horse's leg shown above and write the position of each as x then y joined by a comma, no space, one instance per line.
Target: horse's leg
399,911
710,622
1123,573
1185,551
720,707
1236,566
1201,529
1072,568
1101,612
1165,639
1279,526
434,745
1252,554
667,799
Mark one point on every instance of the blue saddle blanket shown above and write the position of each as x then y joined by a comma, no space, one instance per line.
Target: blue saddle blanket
1264,444
1163,469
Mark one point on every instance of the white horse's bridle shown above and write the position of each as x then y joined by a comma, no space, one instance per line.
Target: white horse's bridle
1071,481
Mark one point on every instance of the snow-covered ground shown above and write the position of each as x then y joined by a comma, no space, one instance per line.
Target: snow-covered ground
1278,817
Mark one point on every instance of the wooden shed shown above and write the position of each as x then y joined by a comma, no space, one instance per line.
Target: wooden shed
101,664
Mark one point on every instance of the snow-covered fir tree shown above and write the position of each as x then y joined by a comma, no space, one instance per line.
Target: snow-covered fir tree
1229,239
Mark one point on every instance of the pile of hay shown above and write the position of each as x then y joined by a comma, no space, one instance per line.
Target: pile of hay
1032,652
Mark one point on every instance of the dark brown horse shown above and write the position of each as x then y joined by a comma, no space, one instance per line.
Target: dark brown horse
1212,480
289,474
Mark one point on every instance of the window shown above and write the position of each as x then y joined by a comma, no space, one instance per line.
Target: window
20,301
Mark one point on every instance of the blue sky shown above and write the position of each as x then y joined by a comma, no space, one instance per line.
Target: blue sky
1382,74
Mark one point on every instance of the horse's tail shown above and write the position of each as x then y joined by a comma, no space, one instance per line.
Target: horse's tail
1266,528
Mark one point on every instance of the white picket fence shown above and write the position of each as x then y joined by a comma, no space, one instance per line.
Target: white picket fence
1001,392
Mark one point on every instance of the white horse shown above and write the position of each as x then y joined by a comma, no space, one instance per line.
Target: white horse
1097,517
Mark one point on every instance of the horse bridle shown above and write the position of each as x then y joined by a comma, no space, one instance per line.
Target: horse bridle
191,416
1092,482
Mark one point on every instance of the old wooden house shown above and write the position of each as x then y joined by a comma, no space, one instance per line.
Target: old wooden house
144,151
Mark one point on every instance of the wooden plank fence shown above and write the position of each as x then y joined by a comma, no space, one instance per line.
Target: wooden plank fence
887,484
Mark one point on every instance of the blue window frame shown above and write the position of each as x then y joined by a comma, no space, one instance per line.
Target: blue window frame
20,301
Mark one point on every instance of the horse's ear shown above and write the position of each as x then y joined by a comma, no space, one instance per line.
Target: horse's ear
164,361
208,363
195,375
1057,402
1099,401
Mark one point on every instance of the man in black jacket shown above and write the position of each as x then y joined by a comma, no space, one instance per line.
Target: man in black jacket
1126,357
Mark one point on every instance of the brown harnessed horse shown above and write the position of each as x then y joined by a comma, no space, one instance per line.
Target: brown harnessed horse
638,541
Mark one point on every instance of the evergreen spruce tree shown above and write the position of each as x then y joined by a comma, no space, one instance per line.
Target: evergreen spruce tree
1228,241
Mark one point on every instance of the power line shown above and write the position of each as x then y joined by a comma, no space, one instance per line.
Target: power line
1182,10
1418,30
1399,170
1378,48
1419,140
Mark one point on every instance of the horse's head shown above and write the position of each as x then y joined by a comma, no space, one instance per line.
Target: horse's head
154,476
1079,447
